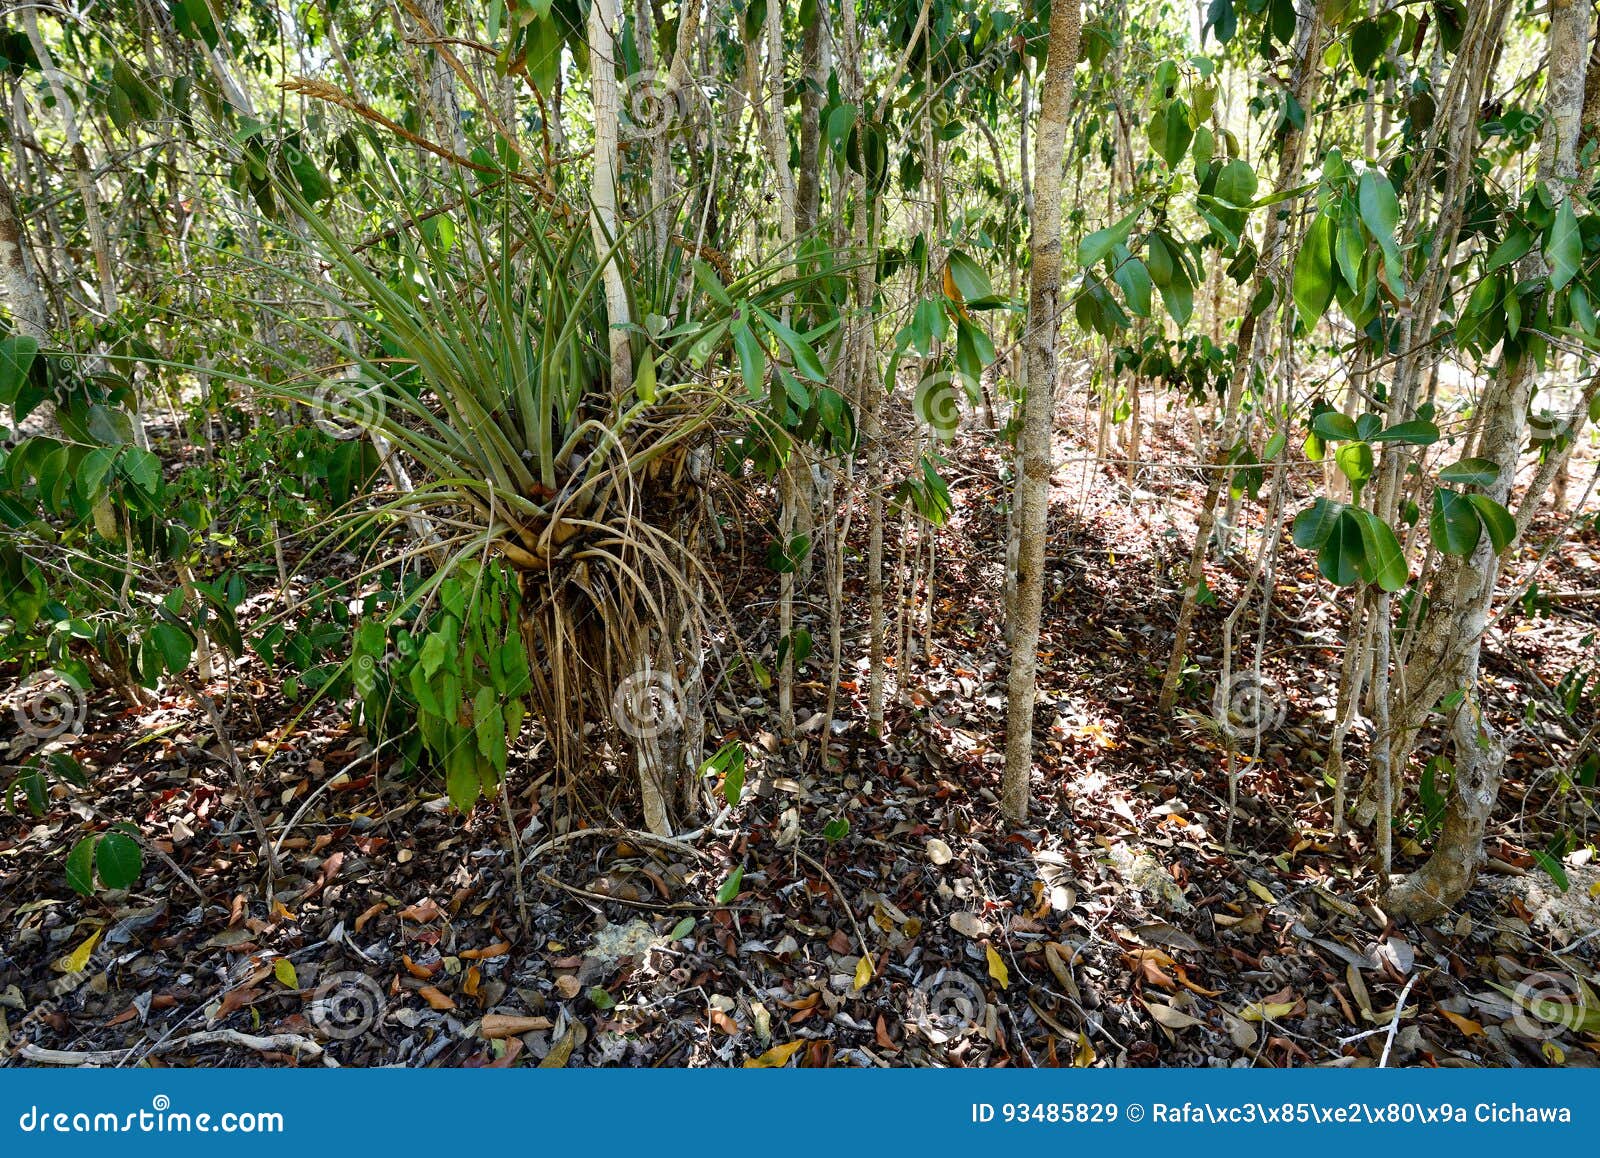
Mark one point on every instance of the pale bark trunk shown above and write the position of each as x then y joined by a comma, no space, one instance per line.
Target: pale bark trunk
83,172
1313,36
29,313
603,187
865,390
808,189
1033,482
1449,645
443,100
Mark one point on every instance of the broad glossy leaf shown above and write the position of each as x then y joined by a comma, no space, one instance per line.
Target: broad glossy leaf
1382,560
970,279
1097,245
1354,460
1454,525
1130,274
1470,472
752,359
1380,209
118,859
16,358
1313,525
730,887
1497,521
1413,433
1313,271
1564,252
80,867
1170,132
1339,560
1334,426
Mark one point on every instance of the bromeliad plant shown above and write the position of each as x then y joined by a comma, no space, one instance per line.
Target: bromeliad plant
472,348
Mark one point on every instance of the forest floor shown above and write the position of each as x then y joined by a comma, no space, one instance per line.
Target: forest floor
1118,927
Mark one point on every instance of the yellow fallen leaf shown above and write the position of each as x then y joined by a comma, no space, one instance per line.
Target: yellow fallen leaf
1594,889
556,1059
78,960
863,972
1262,891
1465,1024
776,1057
283,970
997,968
1084,1057
1262,1010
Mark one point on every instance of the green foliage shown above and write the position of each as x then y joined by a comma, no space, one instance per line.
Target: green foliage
1351,543
114,857
728,761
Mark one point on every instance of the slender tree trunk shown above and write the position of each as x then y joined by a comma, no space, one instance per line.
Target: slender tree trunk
29,312
864,389
1447,655
603,218
99,243
1308,62
1033,483
808,187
